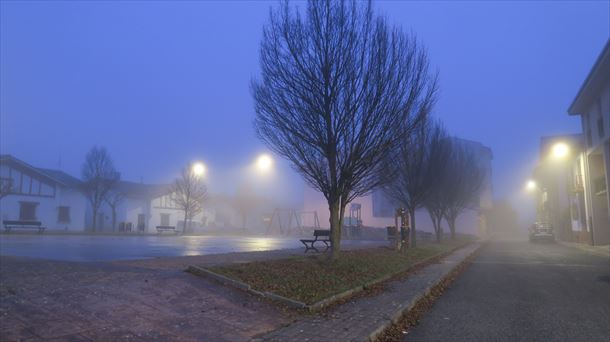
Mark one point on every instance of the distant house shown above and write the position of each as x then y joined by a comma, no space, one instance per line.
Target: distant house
592,103
50,196
377,211
55,198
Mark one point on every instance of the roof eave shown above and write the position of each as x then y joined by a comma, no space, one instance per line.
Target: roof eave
601,65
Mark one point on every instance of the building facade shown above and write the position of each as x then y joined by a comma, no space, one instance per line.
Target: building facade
49,196
559,192
592,104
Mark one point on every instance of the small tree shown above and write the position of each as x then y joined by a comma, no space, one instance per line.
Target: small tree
463,184
114,199
189,192
409,171
434,201
339,88
99,177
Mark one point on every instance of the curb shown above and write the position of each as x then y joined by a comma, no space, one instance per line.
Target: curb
317,306
398,314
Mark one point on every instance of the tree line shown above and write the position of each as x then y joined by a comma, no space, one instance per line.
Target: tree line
347,98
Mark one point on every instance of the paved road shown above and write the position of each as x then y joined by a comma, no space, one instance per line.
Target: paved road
518,291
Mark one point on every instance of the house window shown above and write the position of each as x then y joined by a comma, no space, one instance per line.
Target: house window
589,138
27,211
600,127
63,214
6,185
165,219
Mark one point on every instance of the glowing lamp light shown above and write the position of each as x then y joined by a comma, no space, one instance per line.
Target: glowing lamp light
264,163
560,150
198,169
530,185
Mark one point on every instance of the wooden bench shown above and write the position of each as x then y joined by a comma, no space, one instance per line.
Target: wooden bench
8,225
161,229
320,235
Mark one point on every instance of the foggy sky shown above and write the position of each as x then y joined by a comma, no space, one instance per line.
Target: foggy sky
164,83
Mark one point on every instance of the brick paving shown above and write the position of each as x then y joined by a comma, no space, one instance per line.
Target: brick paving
134,300
356,320
156,300
42,300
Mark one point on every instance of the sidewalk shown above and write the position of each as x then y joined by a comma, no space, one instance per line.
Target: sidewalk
597,250
364,318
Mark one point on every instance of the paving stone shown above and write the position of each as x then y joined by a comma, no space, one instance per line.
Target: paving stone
67,301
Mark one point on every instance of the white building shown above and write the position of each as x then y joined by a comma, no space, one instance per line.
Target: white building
55,199
49,196
592,103
377,211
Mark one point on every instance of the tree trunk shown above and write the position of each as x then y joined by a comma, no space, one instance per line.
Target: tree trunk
113,218
437,229
185,217
94,223
413,233
451,223
335,228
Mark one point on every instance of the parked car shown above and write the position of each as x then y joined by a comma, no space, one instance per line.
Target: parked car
542,231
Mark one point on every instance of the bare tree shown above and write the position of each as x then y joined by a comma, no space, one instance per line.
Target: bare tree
114,198
435,202
188,194
409,170
339,89
99,177
463,183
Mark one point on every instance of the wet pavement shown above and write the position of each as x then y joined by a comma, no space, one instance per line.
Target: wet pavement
106,248
133,300
520,291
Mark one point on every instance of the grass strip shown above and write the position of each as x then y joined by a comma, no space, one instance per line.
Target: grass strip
312,278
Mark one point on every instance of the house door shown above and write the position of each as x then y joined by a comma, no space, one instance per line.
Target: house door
141,222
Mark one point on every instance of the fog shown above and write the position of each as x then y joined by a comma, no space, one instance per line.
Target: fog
159,96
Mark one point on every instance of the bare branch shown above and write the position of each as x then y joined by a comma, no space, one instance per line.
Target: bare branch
339,88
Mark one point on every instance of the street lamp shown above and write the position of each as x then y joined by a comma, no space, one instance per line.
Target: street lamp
531,185
264,163
560,150
198,169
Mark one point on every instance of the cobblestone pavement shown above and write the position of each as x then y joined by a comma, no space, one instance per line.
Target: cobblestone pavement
113,301
152,299
356,320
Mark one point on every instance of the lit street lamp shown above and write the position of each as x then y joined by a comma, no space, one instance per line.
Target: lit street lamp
531,185
560,150
264,163
198,169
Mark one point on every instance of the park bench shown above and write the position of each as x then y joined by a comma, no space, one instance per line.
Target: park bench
320,235
8,225
161,229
